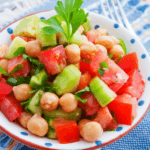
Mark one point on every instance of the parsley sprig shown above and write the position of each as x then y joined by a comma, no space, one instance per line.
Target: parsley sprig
71,13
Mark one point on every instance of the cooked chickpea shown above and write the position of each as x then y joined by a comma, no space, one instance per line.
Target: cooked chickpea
82,122
32,48
38,125
106,41
88,50
84,38
91,131
24,118
49,101
21,92
101,47
3,50
116,41
73,53
116,50
4,64
102,31
68,102
81,29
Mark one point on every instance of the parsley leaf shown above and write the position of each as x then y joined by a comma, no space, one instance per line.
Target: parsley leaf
103,66
110,55
80,93
16,69
111,130
25,102
19,51
33,91
101,71
3,72
122,44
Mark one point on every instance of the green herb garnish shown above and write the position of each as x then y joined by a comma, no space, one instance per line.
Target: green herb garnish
120,57
33,91
3,72
110,55
16,69
111,130
122,44
80,93
101,69
25,102
19,51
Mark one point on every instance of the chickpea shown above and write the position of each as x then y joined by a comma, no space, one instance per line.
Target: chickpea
88,50
81,29
73,53
116,50
84,38
102,31
116,41
49,101
21,92
82,123
4,64
91,131
38,125
32,48
3,50
101,47
106,41
68,102
24,118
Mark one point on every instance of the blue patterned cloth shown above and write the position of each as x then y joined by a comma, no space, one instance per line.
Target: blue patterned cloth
138,14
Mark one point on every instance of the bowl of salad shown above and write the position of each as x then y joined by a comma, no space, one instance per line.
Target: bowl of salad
71,79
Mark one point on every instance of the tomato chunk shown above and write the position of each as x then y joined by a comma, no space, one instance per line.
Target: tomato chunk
84,67
92,35
27,39
3,80
5,89
124,109
19,60
84,81
91,106
10,107
104,117
129,62
66,130
53,59
134,86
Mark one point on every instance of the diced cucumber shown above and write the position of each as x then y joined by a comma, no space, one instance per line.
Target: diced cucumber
27,26
34,104
51,134
45,39
50,123
67,80
16,43
87,25
101,91
59,113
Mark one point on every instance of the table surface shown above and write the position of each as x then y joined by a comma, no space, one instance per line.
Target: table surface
138,14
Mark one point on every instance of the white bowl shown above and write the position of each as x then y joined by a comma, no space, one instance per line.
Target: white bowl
133,45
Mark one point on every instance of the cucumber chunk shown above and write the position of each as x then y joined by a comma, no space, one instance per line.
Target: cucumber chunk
16,43
67,80
101,91
51,134
87,25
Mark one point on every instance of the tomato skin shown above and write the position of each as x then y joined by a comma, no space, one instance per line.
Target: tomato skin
91,106
66,130
112,125
124,108
84,67
19,60
27,39
54,59
3,80
135,85
84,80
10,107
129,62
92,35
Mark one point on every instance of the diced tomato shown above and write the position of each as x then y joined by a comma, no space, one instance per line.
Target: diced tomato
19,60
5,89
53,59
91,106
84,81
84,67
104,117
129,62
113,125
99,57
27,39
124,108
10,107
134,86
3,80
92,35
1,75
66,130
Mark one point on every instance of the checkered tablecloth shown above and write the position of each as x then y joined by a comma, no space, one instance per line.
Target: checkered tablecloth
138,14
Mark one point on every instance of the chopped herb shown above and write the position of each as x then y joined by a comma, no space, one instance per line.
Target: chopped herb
40,96
33,91
25,102
133,117
16,69
103,66
122,44
110,55
3,72
80,93
101,71
115,82
19,51
120,57
111,130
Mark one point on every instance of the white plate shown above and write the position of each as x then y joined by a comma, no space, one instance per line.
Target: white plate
132,44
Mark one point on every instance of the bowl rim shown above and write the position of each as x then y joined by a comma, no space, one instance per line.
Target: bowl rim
30,144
